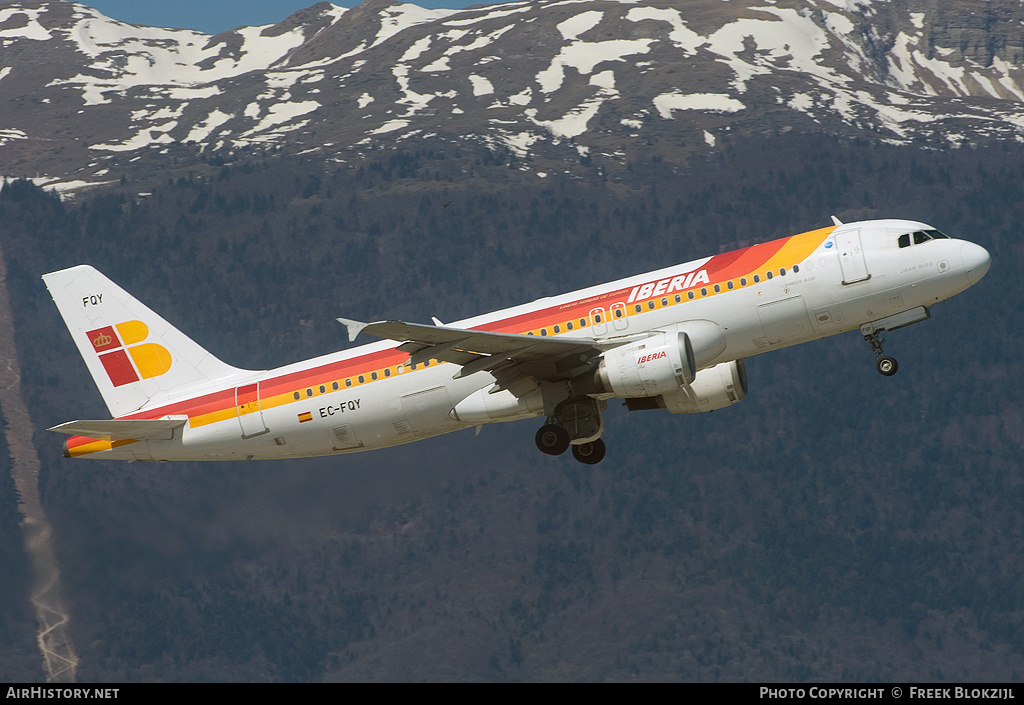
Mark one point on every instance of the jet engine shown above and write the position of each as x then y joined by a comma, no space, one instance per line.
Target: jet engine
657,365
713,388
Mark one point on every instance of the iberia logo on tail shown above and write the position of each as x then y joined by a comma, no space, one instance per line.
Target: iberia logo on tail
125,356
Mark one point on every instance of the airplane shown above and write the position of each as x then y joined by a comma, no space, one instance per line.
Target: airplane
673,339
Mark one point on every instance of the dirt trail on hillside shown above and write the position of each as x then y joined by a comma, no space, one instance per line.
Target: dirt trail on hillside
59,659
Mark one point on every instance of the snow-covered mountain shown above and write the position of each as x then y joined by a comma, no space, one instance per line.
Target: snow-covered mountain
84,98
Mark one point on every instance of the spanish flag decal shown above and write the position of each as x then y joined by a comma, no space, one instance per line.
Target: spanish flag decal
305,416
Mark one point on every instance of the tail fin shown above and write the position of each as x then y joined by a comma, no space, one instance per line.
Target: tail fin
136,358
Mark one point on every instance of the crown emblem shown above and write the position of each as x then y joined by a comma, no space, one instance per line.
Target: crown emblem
102,339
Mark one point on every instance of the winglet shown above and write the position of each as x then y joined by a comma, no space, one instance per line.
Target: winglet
436,321
836,221
354,327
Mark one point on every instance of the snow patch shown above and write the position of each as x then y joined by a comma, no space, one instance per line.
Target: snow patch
147,137
32,29
390,126
481,86
667,103
573,27
401,16
681,35
284,112
584,56
11,134
488,15
204,129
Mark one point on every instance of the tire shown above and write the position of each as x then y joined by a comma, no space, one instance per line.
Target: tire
589,453
887,366
552,439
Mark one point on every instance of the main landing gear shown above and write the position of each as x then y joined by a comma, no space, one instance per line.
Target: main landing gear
577,422
554,440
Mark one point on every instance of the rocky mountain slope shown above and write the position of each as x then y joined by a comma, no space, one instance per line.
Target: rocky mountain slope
85,99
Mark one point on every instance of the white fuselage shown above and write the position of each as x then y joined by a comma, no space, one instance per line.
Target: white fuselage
839,283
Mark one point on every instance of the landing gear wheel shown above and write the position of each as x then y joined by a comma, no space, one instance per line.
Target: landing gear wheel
552,439
887,365
590,453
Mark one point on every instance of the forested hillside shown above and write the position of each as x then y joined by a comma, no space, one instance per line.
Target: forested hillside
835,525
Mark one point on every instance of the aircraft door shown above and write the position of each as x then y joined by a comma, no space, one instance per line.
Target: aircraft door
851,256
250,415
619,318
599,323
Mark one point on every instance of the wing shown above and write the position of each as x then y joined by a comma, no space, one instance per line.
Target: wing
507,356
122,429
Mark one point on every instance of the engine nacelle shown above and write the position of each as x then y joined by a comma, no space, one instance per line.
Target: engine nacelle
657,365
714,388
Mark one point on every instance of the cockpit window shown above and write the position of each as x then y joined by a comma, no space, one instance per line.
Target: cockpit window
920,236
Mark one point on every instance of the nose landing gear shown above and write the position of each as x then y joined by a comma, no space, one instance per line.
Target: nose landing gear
887,365
884,364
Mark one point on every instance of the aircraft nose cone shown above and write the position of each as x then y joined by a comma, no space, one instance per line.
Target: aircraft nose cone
976,261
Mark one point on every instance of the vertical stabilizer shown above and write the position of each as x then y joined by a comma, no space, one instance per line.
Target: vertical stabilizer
135,357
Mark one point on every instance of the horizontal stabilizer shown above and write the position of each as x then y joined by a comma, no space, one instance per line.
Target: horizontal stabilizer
123,429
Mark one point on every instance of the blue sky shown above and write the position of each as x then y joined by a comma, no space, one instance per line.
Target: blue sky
213,16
